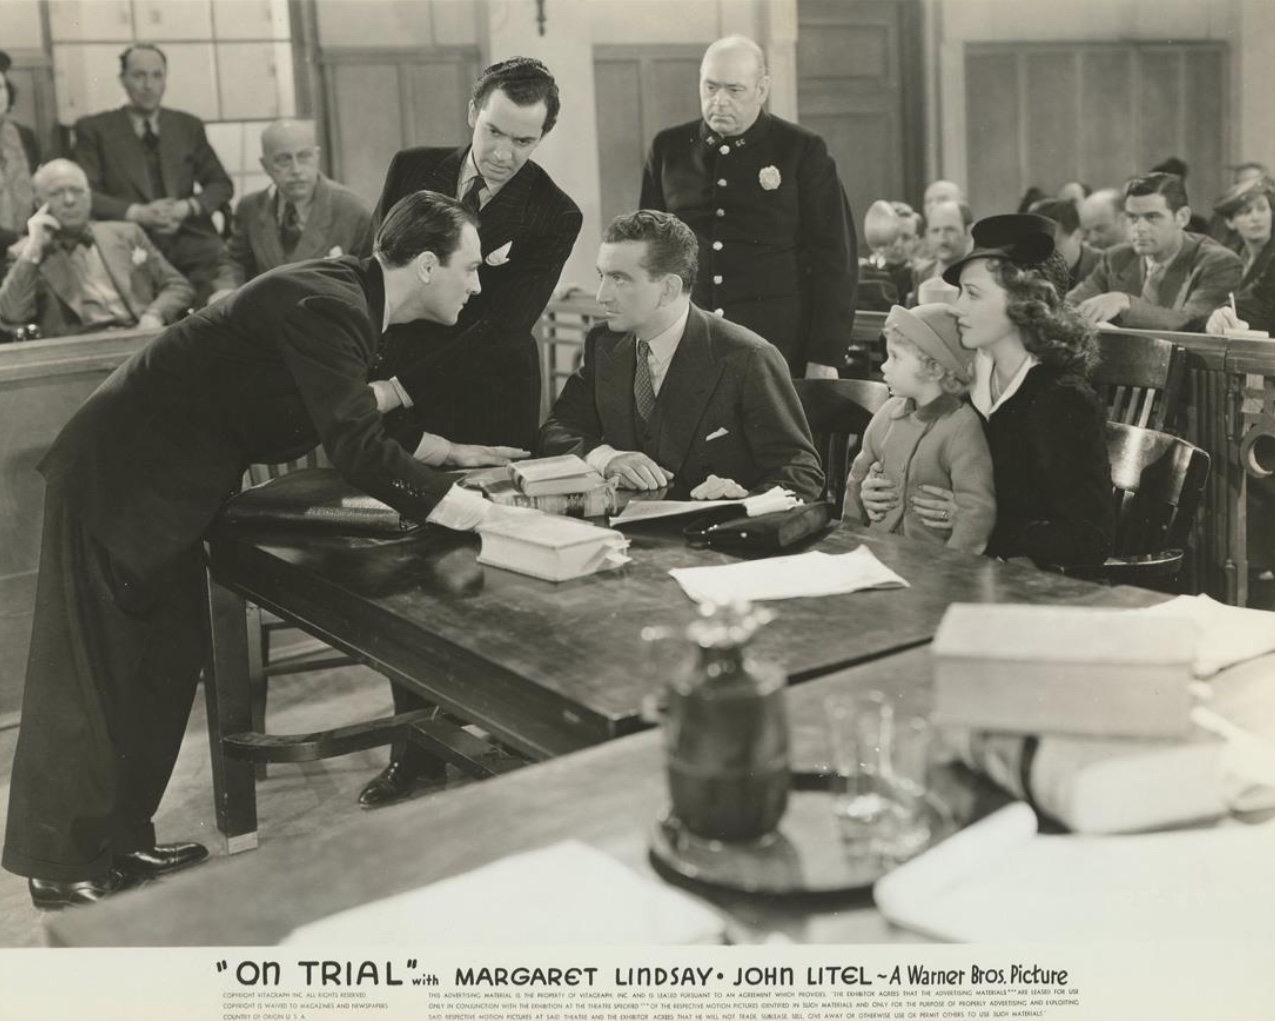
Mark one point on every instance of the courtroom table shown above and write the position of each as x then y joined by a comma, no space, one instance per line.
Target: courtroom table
548,668
606,796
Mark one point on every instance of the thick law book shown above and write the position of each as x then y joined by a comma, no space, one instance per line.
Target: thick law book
1063,670
318,498
555,476
550,547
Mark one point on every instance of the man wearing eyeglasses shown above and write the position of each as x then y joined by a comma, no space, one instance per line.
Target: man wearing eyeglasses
302,215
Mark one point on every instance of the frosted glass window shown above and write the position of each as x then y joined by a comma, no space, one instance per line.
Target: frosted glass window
160,20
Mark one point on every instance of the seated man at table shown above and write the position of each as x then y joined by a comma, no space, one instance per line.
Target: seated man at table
668,395
302,215
71,276
137,477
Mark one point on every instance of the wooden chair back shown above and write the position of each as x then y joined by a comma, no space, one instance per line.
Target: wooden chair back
838,411
1158,484
1140,379
563,326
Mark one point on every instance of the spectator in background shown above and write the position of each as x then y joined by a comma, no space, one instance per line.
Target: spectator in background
72,276
881,229
1102,219
901,256
1069,240
1075,192
1246,208
1219,229
302,215
941,191
19,156
1165,277
948,239
143,163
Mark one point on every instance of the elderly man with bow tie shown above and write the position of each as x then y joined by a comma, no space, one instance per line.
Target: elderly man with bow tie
68,275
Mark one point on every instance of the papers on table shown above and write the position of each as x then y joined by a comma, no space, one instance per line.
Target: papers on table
566,893
774,499
807,574
999,881
1226,634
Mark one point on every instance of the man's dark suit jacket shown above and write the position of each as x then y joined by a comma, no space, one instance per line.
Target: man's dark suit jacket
492,390
727,407
338,219
111,153
777,246
262,376
1195,283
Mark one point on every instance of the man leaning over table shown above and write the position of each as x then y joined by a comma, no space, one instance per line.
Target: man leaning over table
135,479
669,395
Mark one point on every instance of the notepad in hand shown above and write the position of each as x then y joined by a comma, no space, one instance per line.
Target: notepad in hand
550,547
1063,670
555,476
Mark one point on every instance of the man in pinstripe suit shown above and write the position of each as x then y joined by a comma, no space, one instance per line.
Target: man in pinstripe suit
528,227
479,380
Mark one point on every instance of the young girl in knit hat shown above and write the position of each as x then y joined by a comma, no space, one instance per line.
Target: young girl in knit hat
925,434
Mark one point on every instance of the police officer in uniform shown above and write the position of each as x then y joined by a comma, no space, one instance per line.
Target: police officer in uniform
777,241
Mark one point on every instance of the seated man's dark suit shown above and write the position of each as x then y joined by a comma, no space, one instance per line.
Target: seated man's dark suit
491,393
133,481
727,408
107,146
51,294
1196,282
338,223
777,245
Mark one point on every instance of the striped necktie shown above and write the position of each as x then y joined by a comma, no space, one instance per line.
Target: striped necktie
1151,286
643,389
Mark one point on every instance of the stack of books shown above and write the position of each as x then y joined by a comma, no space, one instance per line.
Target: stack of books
564,485
549,547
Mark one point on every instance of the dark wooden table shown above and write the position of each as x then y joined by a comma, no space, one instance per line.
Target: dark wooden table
547,668
606,796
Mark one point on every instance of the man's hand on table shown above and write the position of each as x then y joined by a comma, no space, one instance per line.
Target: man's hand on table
714,488
476,455
637,471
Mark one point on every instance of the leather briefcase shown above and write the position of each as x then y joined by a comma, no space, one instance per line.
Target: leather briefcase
766,533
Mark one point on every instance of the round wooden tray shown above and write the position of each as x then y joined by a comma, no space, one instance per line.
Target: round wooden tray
805,855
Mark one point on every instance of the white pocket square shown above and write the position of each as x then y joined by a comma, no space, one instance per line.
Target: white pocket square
716,435
501,255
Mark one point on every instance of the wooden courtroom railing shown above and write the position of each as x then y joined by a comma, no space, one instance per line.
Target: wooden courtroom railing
42,383
1228,410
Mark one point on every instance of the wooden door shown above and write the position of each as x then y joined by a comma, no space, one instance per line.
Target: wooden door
640,90
1042,114
377,103
860,86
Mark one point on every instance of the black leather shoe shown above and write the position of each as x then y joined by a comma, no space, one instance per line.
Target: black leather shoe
51,895
400,780
160,860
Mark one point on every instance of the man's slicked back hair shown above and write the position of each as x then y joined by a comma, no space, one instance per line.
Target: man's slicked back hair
423,221
1171,186
526,81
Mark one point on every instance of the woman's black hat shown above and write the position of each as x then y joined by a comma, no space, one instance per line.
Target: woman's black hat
1021,238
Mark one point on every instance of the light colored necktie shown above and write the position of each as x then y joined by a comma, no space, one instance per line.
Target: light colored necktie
1151,286
643,389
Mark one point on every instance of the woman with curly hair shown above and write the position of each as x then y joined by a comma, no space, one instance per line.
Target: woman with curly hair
1045,425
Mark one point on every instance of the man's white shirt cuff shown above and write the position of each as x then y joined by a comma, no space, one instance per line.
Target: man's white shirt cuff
403,399
599,457
433,450
461,509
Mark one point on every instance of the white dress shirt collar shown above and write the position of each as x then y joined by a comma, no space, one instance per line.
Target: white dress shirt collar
981,391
